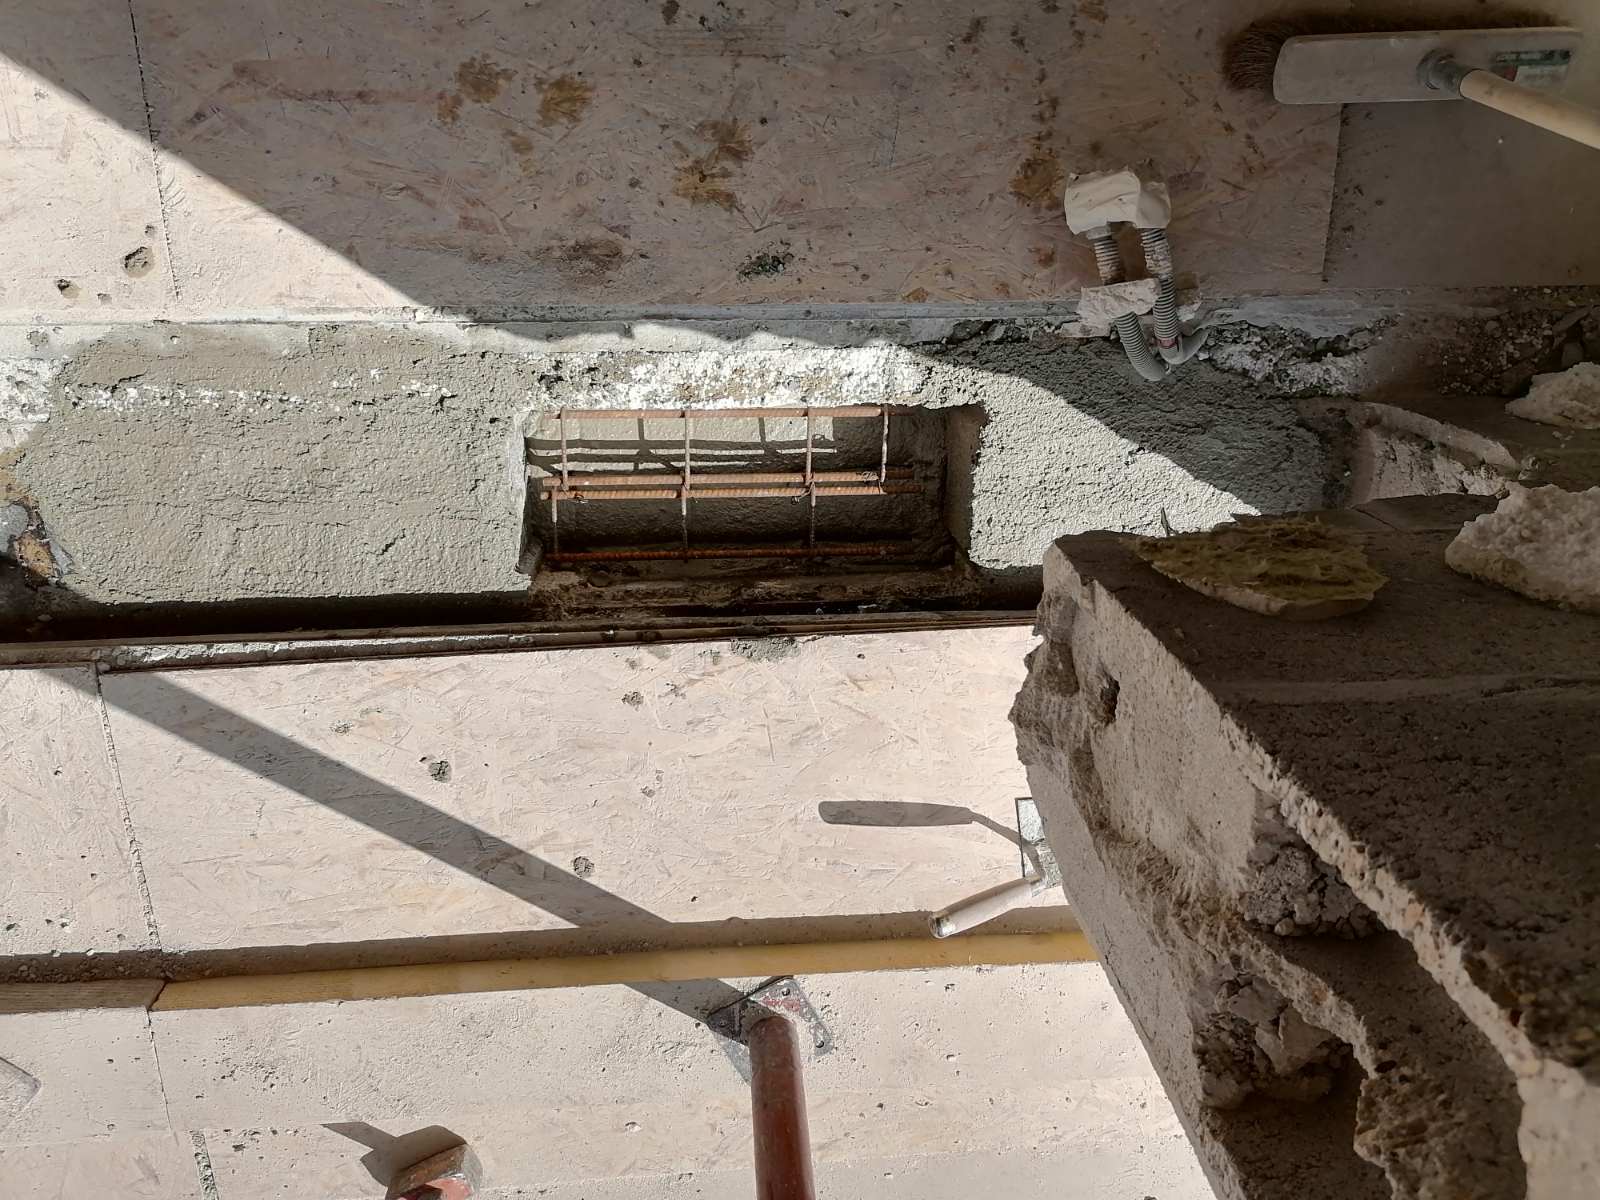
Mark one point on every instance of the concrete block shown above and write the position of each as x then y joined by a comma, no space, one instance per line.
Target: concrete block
1419,766
69,881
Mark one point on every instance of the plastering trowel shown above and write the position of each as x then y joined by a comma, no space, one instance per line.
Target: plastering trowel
1040,872
1039,869
1509,69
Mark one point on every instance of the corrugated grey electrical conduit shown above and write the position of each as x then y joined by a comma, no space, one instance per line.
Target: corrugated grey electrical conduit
1174,347
1109,261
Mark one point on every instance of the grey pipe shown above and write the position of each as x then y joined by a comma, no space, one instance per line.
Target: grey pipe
1108,259
1174,347
1137,347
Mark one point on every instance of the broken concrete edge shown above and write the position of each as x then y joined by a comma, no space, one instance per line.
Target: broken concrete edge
1059,716
1156,975
1299,1003
1475,432
1182,968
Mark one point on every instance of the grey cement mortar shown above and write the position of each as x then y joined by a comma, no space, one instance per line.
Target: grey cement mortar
195,463
198,463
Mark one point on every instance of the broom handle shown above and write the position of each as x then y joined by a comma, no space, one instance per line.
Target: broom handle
1547,112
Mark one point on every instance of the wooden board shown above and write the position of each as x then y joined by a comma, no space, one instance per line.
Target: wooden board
613,790
68,882
356,155
1454,195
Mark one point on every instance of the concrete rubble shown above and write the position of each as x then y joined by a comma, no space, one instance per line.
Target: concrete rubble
1342,874
1570,398
1540,542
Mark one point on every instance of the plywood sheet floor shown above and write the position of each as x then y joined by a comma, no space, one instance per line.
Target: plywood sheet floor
546,802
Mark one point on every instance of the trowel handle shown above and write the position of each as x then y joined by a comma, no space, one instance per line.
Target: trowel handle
1547,112
985,906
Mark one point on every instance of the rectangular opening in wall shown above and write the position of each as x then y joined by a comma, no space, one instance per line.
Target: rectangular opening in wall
692,485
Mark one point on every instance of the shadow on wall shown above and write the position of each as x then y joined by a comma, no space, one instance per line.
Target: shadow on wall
312,157
465,156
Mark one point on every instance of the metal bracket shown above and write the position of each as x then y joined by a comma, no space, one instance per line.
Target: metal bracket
782,995
1037,857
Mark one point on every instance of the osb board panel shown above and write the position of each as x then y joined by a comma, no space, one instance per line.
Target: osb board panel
67,881
1160,1169
606,1084
97,1072
364,153
343,802
77,184
149,1166
1454,195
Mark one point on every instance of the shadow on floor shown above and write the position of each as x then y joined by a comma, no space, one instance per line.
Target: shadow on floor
393,813
390,1153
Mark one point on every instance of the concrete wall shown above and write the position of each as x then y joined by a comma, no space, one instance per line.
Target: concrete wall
238,462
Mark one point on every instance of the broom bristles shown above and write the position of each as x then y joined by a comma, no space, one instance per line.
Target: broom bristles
1249,59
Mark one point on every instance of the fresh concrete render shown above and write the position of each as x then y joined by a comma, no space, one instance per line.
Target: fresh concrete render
203,463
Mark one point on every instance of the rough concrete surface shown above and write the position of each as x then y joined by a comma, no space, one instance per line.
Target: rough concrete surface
1428,445
1348,729
209,464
